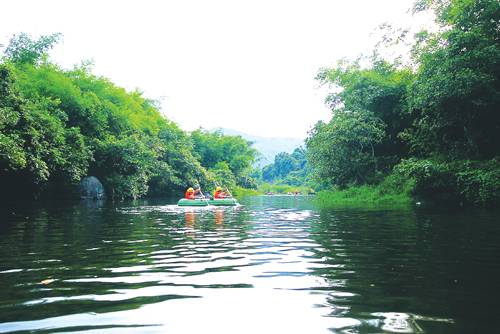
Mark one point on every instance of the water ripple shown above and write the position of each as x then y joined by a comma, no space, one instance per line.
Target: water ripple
276,265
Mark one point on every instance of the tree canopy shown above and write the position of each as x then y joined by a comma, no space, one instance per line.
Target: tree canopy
59,125
435,120
229,158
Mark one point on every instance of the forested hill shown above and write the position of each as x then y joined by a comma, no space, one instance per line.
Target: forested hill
58,126
431,126
268,147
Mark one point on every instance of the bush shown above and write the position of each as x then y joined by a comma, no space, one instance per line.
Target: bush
240,192
431,179
464,181
363,196
479,183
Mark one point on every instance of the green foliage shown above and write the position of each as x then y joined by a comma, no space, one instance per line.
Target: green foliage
287,168
283,164
229,158
341,151
241,192
178,168
11,144
380,89
479,182
35,145
288,173
432,179
455,96
362,196
268,173
393,190
439,115
283,189
223,175
461,181
125,164
22,49
57,126
247,181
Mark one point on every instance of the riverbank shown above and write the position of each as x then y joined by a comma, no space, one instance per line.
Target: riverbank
456,183
240,192
265,188
362,196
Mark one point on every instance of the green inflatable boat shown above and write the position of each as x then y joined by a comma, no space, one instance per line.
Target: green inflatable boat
192,202
206,202
223,202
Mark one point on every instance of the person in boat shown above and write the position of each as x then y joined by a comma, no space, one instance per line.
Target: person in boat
219,193
191,193
199,194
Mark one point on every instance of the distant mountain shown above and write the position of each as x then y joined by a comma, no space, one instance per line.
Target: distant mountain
267,146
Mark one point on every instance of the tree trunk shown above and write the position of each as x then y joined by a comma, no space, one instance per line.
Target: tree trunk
374,159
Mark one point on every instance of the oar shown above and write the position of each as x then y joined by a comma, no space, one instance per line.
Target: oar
232,197
202,194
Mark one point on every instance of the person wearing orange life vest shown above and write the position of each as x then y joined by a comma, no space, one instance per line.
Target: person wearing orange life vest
218,194
191,193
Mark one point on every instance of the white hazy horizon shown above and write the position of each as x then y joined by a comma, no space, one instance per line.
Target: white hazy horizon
243,65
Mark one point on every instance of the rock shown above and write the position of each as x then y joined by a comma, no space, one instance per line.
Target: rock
91,187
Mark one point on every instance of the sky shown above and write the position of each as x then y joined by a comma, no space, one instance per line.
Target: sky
243,65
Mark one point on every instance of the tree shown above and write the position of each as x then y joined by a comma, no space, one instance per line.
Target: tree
290,169
341,151
58,125
23,49
434,124
125,164
36,148
380,88
223,175
268,173
456,95
283,164
213,148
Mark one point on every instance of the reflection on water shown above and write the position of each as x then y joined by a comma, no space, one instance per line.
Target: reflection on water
219,216
190,218
273,265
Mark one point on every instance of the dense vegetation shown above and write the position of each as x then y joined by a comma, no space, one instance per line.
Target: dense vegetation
57,126
228,158
289,173
432,125
290,169
428,127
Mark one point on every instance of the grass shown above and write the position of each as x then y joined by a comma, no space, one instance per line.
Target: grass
264,188
240,192
391,192
282,188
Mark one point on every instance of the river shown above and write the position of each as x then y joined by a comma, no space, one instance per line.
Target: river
272,265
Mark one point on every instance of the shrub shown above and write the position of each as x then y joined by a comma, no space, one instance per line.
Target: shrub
479,183
463,181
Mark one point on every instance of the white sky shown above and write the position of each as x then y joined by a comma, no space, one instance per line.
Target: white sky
245,65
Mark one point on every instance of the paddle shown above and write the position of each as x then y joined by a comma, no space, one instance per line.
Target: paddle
227,190
201,192
232,197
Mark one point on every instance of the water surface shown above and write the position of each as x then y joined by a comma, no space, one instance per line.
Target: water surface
273,265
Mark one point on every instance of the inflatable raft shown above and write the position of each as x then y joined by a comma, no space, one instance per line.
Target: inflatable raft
192,202
206,202
223,202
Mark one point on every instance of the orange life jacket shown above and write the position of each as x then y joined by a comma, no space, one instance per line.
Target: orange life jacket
219,194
